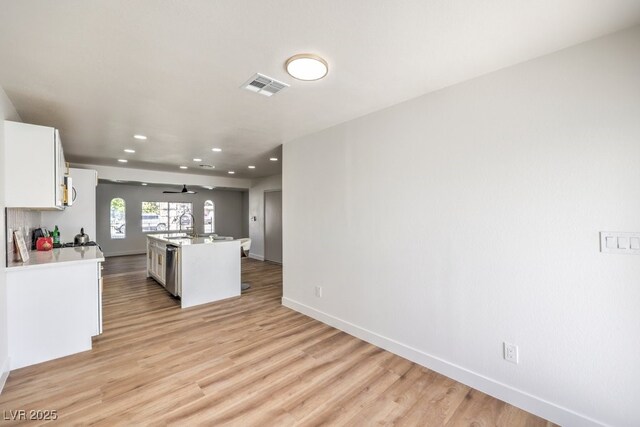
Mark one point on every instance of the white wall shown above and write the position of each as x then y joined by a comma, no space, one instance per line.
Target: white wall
228,214
445,225
256,209
7,112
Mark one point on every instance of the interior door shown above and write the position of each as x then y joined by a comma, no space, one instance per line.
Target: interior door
273,226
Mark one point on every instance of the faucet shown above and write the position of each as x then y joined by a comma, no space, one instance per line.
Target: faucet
193,224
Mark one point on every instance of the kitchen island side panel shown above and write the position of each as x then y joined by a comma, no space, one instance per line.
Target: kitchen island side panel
52,312
210,272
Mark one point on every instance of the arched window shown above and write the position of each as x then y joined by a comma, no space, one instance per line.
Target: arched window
117,218
209,217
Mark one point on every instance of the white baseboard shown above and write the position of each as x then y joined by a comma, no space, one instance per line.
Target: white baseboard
258,257
518,398
110,254
4,373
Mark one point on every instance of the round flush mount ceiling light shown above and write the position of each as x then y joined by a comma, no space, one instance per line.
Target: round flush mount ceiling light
307,66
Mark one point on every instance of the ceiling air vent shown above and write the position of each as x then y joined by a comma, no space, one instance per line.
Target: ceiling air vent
207,166
264,85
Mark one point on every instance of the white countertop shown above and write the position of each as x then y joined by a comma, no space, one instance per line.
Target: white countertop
58,257
183,240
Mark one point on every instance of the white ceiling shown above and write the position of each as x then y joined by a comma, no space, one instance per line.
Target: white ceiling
102,71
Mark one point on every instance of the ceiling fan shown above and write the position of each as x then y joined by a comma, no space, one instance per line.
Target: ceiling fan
183,191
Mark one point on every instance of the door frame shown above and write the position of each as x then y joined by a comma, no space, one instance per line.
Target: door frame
264,223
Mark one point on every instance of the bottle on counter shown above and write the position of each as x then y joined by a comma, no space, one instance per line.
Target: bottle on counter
56,235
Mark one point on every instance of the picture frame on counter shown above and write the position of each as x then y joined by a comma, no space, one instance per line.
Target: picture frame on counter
21,246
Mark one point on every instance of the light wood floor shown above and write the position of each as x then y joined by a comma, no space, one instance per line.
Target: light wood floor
244,361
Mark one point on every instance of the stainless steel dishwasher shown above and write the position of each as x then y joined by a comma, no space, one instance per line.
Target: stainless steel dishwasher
171,270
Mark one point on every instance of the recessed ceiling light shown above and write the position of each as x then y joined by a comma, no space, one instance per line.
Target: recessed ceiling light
144,183
273,159
129,150
307,66
217,150
207,187
140,137
231,172
251,167
183,167
197,160
123,160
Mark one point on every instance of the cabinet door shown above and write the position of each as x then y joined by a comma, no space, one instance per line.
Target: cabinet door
161,266
149,259
30,165
154,255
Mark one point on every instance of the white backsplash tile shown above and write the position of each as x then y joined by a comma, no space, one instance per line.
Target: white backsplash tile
21,219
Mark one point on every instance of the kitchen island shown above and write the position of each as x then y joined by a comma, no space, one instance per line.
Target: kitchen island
54,304
199,270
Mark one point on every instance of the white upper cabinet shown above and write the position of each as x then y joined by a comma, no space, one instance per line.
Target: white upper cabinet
34,166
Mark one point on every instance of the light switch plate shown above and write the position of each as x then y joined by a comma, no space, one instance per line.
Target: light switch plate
623,243
620,242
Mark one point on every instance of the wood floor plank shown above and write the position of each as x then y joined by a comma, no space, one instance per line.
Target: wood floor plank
245,361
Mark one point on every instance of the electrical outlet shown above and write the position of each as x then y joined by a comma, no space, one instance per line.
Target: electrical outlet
510,352
319,291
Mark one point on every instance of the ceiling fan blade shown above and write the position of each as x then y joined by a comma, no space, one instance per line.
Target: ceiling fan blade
183,191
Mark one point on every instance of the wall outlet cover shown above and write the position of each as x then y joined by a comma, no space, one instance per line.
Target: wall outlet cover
510,352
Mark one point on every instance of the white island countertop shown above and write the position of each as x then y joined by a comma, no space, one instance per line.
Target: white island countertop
184,240
58,257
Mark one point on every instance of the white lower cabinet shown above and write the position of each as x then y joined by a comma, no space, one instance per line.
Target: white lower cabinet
156,260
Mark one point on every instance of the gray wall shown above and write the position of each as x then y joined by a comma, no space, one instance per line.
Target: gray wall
470,216
229,218
245,214
9,113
